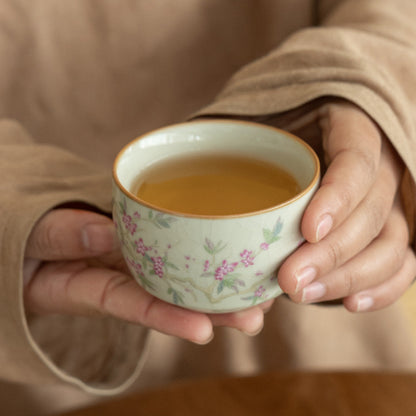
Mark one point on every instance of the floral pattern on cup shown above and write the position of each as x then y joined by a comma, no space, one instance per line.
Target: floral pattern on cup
219,276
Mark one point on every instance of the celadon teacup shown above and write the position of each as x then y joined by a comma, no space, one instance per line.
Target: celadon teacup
211,264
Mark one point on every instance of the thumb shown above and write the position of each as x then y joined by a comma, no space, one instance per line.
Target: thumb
65,234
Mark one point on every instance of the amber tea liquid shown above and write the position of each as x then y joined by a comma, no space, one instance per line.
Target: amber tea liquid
215,184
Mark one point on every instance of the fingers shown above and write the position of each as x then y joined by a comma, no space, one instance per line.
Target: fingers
250,321
64,234
363,225
75,288
357,239
375,277
353,146
101,285
385,294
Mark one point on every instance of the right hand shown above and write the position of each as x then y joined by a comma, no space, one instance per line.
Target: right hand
73,265
357,236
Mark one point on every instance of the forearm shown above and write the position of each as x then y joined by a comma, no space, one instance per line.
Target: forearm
35,179
362,51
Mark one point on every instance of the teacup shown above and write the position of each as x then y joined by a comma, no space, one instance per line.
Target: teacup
211,264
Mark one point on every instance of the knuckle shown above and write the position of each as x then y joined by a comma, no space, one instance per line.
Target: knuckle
350,280
48,240
346,198
113,283
402,230
376,215
397,256
369,164
334,252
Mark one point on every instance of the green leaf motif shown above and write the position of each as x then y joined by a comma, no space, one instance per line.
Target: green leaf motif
207,249
160,220
228,282
163,223
209,246
171,265
232,283
271,236
268,235
176,296
278,227
212,248
146,283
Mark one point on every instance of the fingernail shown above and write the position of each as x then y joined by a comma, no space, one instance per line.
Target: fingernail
255,331
205,341
99,238
253,319
364,303
304,277
313,292
324,226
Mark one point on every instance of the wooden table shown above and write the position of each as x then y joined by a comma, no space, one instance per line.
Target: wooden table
287,394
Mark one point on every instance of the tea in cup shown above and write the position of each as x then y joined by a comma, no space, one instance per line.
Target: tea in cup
206,211
210,183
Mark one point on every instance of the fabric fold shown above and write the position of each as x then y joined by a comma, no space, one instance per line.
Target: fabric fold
366,61
48,177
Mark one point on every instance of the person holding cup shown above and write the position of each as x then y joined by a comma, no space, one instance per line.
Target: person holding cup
344,85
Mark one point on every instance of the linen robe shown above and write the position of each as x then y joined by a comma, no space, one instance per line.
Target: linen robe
81,78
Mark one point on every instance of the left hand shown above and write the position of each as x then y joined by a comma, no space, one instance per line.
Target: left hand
73,265
357,246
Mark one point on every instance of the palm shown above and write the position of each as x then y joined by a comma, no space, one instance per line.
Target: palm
77,280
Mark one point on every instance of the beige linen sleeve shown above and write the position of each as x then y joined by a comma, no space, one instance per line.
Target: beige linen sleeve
100,355
363,51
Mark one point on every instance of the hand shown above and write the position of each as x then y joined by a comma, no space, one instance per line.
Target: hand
357,245
73,266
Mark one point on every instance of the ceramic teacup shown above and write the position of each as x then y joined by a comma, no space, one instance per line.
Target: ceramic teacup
211,264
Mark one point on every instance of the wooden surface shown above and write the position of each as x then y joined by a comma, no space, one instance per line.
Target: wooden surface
305,394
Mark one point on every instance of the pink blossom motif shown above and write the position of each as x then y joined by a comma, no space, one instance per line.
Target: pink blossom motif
206,265
130,226
158,265
137,215
224,269
264,246
137,267
259,292
126,219
246,258
140,247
